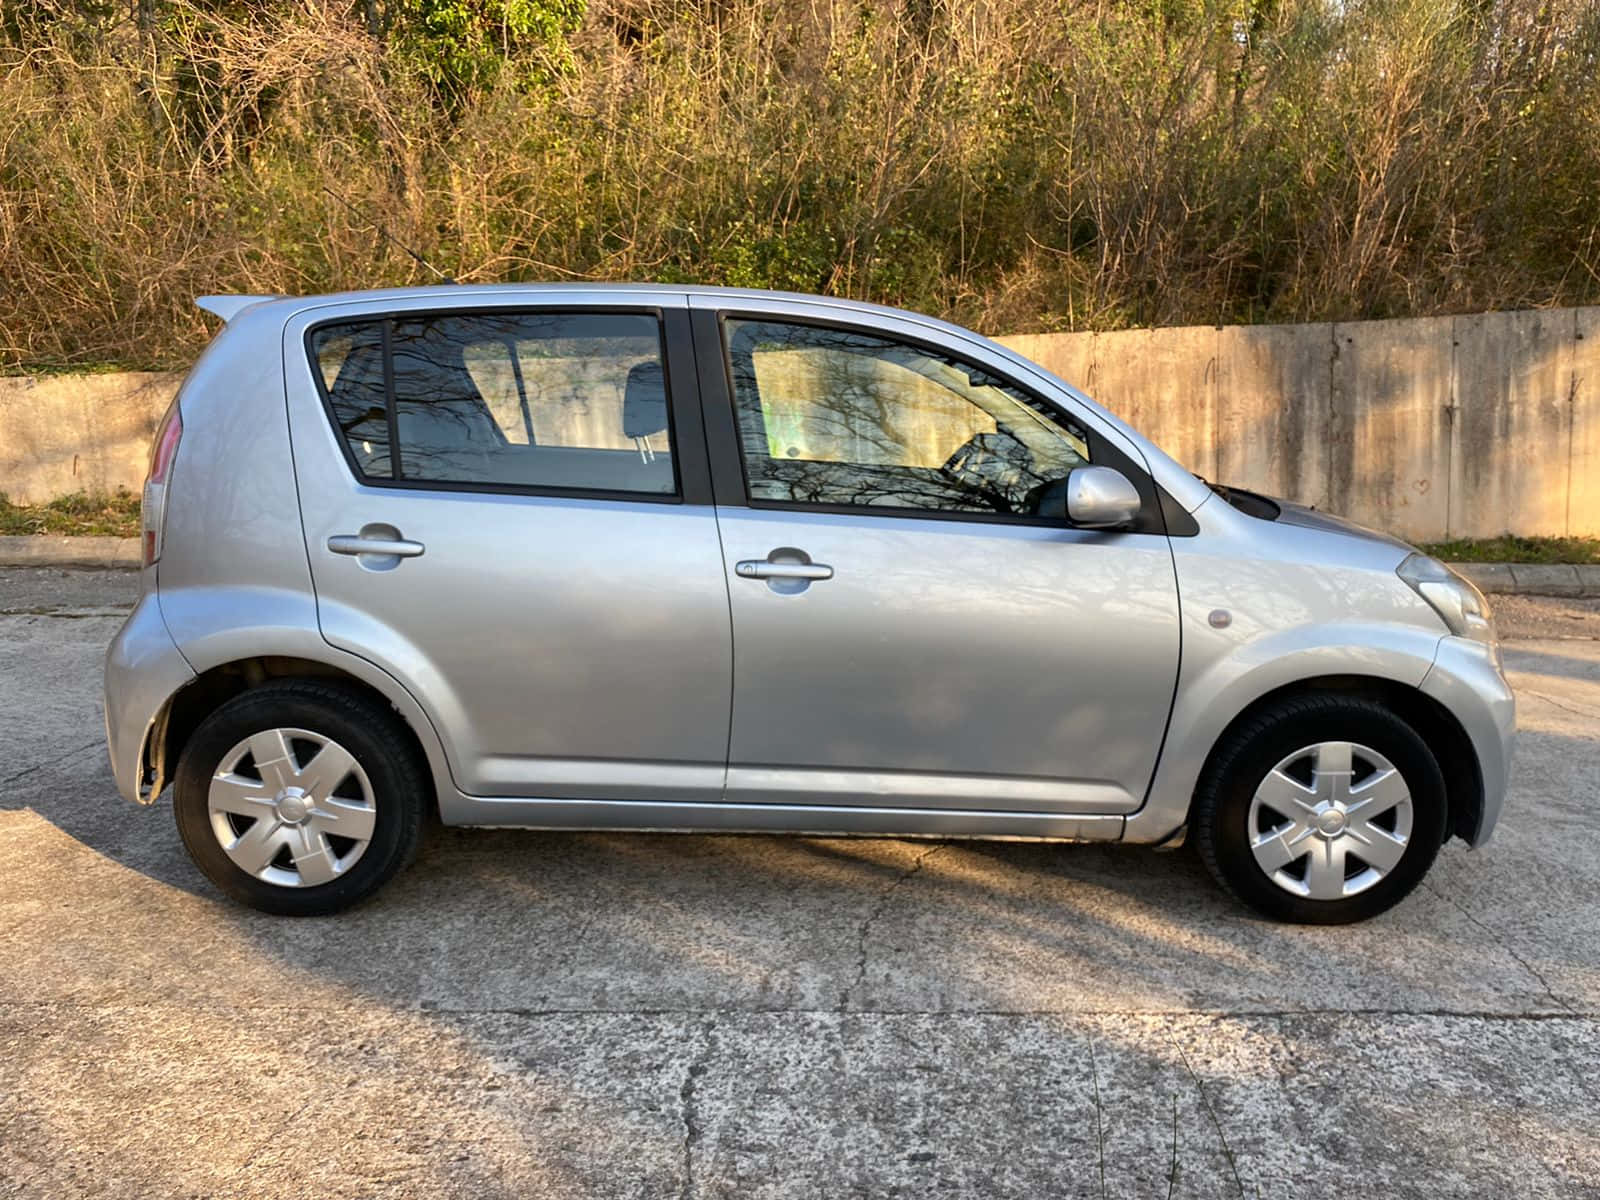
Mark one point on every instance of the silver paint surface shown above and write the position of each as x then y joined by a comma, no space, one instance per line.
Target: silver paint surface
602,663
951,664
563,647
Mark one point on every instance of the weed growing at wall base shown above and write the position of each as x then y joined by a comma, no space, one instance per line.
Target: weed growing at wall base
79,514
1518,550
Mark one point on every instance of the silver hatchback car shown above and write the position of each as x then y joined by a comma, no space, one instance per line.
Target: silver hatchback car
662,558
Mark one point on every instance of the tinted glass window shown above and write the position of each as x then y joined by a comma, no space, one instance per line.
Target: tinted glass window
561,400
834,417
350,363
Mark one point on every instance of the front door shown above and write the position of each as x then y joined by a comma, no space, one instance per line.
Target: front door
907,631
499,510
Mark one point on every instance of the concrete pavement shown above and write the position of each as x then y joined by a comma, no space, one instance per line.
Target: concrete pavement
528,1014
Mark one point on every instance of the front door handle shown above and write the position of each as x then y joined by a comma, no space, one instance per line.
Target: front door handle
355,543
788,570
765,568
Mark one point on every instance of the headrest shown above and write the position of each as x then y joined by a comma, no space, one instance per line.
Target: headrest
362,368
644,401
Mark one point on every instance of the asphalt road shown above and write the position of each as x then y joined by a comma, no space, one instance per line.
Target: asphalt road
543,1015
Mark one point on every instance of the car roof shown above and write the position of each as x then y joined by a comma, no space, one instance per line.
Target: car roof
227,306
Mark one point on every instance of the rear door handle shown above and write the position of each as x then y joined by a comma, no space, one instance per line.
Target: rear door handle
761,568
354,543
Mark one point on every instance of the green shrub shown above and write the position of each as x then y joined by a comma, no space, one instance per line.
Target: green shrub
462,46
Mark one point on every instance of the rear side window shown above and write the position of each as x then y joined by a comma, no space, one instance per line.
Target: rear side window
566,401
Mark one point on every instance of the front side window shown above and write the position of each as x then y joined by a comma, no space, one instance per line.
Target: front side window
536,399
835,417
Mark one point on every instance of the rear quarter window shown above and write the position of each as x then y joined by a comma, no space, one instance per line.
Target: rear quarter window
349,362
529,400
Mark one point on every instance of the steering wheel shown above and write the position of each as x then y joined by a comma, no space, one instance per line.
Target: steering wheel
996,464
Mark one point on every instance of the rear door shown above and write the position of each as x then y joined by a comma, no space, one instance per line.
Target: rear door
907,631
508,509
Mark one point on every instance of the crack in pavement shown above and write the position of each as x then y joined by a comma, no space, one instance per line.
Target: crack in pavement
1216,1124
1099,1118
865,929
1501,941
1582,1078
688,1114
54,762
272,1136
1561,704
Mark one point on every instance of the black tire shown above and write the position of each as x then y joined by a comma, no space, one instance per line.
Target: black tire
374,734
1220,817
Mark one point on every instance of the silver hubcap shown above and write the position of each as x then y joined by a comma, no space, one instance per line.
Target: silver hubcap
1330,820
292,807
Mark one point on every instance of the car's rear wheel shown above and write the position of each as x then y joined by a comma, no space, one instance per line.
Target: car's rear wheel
1322,809
300,797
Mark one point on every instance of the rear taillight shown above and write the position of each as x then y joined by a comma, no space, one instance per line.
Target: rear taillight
153,511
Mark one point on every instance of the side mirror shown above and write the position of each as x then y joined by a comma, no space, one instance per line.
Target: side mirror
1091,498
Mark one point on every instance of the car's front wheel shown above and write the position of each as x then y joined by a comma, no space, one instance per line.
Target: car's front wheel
300,797
1322,809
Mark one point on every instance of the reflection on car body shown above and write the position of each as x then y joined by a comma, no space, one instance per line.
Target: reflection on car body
585,556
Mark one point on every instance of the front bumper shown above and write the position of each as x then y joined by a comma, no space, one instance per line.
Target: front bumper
144,668
1466,679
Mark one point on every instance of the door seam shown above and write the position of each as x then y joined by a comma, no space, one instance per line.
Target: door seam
722,549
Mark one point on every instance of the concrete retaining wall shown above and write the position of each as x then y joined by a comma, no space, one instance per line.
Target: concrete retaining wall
68,433
1431,428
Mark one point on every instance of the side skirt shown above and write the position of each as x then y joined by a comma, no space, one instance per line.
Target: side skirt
645,816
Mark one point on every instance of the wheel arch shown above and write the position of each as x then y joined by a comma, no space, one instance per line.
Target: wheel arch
1437,726
215,686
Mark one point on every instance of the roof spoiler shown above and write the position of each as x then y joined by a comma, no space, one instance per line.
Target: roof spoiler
228,307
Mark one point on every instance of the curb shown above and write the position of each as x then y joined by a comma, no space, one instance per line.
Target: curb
109,553
1533,579
52,550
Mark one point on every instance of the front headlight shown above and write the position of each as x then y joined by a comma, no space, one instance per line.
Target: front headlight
1460,606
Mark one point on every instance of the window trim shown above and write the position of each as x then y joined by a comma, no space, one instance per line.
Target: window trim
1102,452
391,410
684,475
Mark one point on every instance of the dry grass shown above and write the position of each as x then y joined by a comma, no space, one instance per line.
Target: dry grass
1518,550
79,514
1075,164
